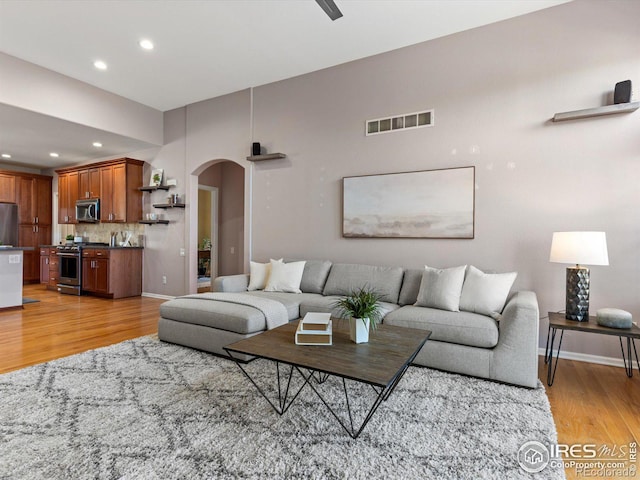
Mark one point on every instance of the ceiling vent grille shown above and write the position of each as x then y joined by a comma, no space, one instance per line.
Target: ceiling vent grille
395,123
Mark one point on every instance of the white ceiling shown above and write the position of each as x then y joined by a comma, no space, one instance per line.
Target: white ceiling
207,48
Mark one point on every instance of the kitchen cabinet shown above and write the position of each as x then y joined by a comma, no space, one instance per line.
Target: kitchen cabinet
89,183
112,273
7,188
32,193
68,184
34,200
121,200
33,236
49,267
114,182
95,270
44,265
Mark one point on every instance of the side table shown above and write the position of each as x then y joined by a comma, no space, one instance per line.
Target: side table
557,321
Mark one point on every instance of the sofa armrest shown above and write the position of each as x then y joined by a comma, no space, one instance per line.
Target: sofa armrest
516,355
231,283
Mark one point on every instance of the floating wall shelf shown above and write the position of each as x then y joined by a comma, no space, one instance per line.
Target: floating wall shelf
154,222
169,205
596,112
153,188
268,156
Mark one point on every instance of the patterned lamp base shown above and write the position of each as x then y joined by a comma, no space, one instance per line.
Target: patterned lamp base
577,294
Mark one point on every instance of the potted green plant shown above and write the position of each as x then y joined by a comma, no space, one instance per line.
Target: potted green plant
362,308
69,238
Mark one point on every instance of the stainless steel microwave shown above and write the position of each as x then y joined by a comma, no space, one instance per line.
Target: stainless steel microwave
88,211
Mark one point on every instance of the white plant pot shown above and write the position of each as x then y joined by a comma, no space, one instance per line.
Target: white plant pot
359,330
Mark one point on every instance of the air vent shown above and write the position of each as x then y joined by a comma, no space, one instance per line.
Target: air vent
404,121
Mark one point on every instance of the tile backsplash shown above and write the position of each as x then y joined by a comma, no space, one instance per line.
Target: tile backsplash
101,232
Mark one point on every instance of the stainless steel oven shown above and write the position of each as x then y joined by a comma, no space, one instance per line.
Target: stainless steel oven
70,280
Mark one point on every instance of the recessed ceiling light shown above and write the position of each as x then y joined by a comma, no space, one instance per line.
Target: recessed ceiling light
54,155
100,65
6,155
146,44
97,144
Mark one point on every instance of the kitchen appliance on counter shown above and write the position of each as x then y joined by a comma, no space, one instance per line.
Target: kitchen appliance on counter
70,256
8,224
88,211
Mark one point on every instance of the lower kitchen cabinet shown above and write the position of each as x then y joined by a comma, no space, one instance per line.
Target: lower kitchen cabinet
49,267
33,236
112,272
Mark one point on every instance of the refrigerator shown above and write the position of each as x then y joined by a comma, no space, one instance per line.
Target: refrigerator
8,224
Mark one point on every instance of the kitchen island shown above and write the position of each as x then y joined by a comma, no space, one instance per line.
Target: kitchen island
11,264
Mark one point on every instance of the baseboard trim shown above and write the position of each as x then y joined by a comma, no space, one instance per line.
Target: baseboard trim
157,295
584,357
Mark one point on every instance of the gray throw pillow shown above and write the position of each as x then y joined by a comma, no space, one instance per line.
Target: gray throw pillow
441,288
485,293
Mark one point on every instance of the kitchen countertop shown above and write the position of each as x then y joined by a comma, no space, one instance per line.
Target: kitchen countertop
4,248
91,246
103,247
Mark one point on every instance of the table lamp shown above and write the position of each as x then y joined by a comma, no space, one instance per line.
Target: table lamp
578,248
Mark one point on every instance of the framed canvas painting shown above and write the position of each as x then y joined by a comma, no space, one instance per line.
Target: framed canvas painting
423,204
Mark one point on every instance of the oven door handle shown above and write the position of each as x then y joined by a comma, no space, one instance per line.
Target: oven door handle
68,254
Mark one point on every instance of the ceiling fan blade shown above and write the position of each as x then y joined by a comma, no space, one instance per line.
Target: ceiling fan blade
330,8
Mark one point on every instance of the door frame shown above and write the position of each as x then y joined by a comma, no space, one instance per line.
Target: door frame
214,228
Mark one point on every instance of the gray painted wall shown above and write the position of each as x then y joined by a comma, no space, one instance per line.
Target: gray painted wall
494,90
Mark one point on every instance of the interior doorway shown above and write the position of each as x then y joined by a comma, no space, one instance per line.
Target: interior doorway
208,244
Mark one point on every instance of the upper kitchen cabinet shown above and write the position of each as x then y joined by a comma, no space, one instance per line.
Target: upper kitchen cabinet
7,187
68,184
121,201
89,181
114,182
34,199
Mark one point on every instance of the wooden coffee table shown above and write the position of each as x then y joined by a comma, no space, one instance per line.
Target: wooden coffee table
380,363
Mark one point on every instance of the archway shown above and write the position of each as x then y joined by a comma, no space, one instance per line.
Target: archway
229,178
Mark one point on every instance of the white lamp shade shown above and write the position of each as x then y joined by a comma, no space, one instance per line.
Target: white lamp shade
586,248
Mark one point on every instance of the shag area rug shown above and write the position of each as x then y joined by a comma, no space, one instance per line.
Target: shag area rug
144,409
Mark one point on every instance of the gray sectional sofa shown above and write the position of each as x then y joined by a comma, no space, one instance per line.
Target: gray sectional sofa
503,348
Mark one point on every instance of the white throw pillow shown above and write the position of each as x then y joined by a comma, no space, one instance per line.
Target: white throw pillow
285,277
259,274
485,293
441,288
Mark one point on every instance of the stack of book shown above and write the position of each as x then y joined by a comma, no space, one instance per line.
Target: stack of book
314,329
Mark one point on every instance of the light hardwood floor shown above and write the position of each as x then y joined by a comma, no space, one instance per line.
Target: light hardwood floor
590,403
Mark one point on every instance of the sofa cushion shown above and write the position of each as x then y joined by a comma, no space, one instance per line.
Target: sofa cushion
285,277
463,328
410,286
322,304
291,301
485,293
344,278
441,288
221,315
315,276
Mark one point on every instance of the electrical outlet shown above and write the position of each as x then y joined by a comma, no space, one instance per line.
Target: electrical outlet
164,279
182,252
233,250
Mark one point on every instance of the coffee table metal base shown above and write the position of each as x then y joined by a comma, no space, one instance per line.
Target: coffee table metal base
286,397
